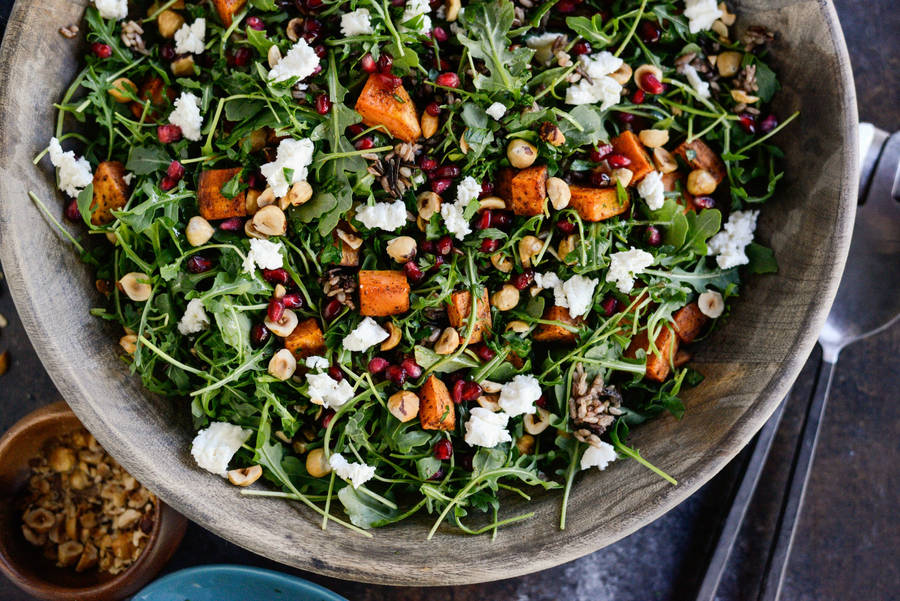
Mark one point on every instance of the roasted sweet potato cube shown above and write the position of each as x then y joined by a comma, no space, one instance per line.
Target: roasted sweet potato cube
658,365
553,333
503,184
227,9
628,144
436,410
460,308
528,190
383,292
700,156
212,203
110,191
306,339
156,91
689,321
596,204
393,110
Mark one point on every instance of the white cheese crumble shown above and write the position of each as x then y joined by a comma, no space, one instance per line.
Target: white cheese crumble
625,265
213,447
486,428
598,456
186,115
467,190
652,191
367,334
112,9
263,254
413,9
300,62
194,319
454,213
189,39
74,174
291,161
328,392
357,22
711,304
543,46
701,14
356,473
519,394
386,216
316,362
730,243
496,111
575,294
597,87
700,86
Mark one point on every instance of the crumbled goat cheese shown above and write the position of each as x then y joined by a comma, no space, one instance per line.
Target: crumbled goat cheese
74,174
701,14
316,362
190,38
467,190
356,23
454,220
367,334
519,394
730,243
597,87
356,473
328,392
386,216
652,190
300,62
413,9
112,9
625,265
496,111
543,46
598,456
292,159
579,292
263,254
551,281
486,428
700,86
194,319
213,447
127,178
186,115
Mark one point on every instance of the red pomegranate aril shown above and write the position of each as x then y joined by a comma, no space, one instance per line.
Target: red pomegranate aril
312,26
335,372
447,171
704,202
748,123
332,308
167,52
314,4
447,80
457,391
484,220
565,7
276,276
465,461
292,300
364,143
255,23
487,188
501,219
489,245
624,117
617,161
652,236
168,133
523,280
395,374
323,104
355,129
320,50
368,63
768,124
413,369
437,475
439,186
259,334
233,224
101,50
275,310
198,264
471,391
71,211
175,170
444,245
443,449
610,306
327,416
651,85
239,57
377,365
438,261
638,97
485,353
427,163
601,152
427,246
385,62
566,226
581,48
389,82
433,109
167,183
413,272
440,34
650,32
541,402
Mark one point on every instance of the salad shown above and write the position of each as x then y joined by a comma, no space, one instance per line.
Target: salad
413,258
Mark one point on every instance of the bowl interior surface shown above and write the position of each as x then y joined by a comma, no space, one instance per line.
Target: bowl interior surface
749,364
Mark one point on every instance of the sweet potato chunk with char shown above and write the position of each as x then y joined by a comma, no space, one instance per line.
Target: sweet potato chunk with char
503,185
528,190
212,203
383,292
700,156
227,9
391,109
689,321
596,204
156,91
306,339
436,410
553,333
658,365
461,307
628,144
110,191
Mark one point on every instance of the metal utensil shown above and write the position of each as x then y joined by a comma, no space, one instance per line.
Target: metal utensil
866,303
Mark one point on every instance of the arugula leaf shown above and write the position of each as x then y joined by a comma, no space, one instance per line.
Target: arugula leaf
427,358
365,511
591,126
701,227
83,202
234,326
486,29
762,259
144,160
590,29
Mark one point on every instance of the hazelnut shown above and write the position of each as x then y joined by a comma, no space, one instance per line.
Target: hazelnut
701,182
721,29
565,248
529,246
127,518
664,161
727,18
121,88
537,422
622,74
491,387
463,145
251,201
270,221
198,231
654,138
294,29
128,342
429,124
88,558
62,459
252,232
68,553
39,520
316,463
428,203
494,203
183,67
559,193
350,239
506,298
448,342
521,153
273,56
622,175
729,63
489,402
282,365
136,286
300,193
551,134
284,326
404,405
525,444
266,198
245,476
451,10
517,326
643,70
743,97
402,249
711,304
501,262
168,22
394,336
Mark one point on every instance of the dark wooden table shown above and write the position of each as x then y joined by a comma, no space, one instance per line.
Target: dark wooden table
848,543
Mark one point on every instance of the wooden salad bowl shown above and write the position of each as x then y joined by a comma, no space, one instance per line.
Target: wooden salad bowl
749,364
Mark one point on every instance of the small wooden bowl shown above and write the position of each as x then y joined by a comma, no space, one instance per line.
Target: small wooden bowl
25,565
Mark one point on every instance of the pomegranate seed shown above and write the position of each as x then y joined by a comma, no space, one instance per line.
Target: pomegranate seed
239,57
255,180
447,171
364,143
487,188
600,179
638,97
651,85
427,163
101,50
501,219
439,186
167,183
255,23
438,261
175,170
748,123
610,306
327,416
232,225
275,310
437,475
368,63
625,117
323,104
312,26
471,391
581,48
205,60
377,365
523,280
443,65
413,369
313,4
385,63
332,308
198,264
440,34
617,161
458,391
566,226
292,300
259,334
489,245
704,202
447,80
167,52
320,50
413,272
276,276
465,461
541,402
484,220
443,449
335,372
565,7
427,246
601,152
389,82
485,353
71,211
396,374
168,133
768,124
652,236
355,129
433,109
444,245
650,32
